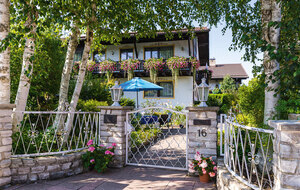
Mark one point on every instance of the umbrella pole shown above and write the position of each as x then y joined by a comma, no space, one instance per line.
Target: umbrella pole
137,99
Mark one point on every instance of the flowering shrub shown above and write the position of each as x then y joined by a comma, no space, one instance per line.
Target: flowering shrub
153,65
91,65
195,64
108,67
203,165
130,65
176,63
98,157
76,67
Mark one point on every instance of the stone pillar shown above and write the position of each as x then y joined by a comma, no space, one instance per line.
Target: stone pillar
286,155
112,130
5,143
202,131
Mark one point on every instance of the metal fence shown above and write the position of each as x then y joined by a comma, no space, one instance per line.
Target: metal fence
48,133
248,152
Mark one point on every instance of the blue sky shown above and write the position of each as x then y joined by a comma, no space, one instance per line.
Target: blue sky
218,48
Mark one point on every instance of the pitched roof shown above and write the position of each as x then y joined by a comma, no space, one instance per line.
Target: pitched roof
219,71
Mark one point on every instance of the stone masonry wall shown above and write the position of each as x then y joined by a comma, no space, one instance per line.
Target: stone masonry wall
205,140
5,143
286,156
24,170
111,132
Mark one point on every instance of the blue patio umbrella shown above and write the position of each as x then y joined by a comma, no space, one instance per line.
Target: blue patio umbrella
137,84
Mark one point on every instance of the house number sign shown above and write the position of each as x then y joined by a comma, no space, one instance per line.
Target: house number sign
202,133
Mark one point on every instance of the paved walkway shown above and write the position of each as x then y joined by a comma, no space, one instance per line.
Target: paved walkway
125,178
169,149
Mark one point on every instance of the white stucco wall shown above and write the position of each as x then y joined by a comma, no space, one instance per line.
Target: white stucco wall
183,94
180,49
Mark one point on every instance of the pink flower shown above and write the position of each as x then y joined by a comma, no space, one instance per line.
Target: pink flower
191,170
203,171
109,152
92,160
212,174
213,163
110,147
204,164
215,168
114,144
101,145
91,149
90,142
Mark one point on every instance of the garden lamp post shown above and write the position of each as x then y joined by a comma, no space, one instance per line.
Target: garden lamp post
203,91
116,92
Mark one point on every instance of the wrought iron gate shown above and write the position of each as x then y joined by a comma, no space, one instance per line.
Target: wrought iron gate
157,137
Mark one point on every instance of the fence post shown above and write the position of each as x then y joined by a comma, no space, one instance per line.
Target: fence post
286,156
112,130
5,143
202,131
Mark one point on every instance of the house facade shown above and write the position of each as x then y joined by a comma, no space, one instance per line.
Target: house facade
182,45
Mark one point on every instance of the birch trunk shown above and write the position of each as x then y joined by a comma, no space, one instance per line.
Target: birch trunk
4,55
65,78
79,83
26,73
271,11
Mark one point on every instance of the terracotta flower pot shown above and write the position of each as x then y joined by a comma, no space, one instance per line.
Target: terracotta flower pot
204,178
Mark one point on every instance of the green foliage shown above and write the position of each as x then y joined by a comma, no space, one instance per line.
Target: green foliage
142,136
287,105
251,101
45,80
93,88
127,102
223,101
90,105
228,85
216,90
98,157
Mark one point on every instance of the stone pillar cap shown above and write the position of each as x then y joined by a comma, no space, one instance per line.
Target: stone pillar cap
115,107
285,125
202,108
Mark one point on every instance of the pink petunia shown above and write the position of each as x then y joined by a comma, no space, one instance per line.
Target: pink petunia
90,142
212,174
92,160
215,168
203,171
110,147
114,144
91,149
109,152
101,145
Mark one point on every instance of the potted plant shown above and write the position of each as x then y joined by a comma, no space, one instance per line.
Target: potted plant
129,65
107,66
98,157
205,167
195,64
175,64
153,65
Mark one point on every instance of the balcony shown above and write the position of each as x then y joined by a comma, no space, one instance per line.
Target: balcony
142,72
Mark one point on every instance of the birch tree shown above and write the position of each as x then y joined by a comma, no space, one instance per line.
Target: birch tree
4,53
27,66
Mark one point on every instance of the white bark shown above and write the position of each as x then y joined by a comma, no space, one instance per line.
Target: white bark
79,82
4,55
271,11
65,78
26,73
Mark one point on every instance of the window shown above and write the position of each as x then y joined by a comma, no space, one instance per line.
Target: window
98,57
78,55
168,91
126,54
159,52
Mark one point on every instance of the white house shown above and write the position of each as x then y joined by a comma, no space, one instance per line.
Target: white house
182,45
